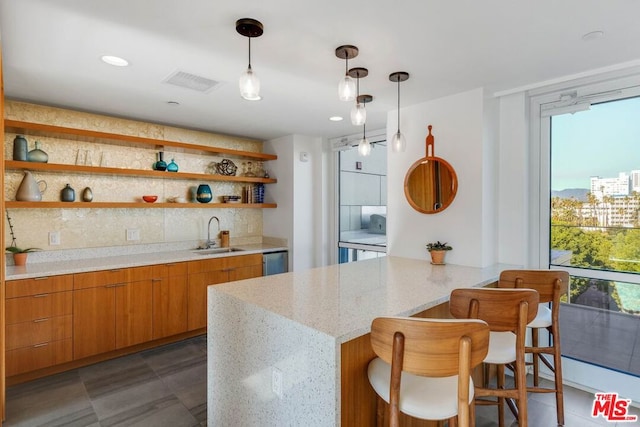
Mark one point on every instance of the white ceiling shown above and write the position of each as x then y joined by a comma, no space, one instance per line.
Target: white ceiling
52,50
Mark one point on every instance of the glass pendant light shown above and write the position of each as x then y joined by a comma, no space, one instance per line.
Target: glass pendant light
398,142
364,147
346,87
358,112
249,82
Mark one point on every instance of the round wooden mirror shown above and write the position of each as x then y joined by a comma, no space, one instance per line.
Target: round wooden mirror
431,183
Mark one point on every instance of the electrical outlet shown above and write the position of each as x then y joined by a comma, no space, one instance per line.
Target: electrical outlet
276,382
133,234
54,238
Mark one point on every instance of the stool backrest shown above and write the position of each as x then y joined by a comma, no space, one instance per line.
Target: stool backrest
550,284
432,347
500,308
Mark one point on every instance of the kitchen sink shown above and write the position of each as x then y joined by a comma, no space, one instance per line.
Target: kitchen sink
212,251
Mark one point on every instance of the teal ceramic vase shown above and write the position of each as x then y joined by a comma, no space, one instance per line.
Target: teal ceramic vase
20,148
203,194
172,167
37,155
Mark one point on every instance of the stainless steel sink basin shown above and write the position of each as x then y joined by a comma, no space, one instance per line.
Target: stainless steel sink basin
213,251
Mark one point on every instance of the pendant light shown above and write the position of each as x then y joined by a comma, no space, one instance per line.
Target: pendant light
358,112
364,147
249,82
347,87
398,142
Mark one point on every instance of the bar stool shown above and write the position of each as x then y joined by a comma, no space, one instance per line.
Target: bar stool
424,366
507,312
551,285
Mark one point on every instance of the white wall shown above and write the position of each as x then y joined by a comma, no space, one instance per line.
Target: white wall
299,194
458,128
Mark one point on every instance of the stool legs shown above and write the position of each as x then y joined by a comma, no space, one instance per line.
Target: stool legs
556,368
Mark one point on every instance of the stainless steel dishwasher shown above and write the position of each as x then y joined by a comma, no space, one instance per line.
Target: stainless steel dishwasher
275,263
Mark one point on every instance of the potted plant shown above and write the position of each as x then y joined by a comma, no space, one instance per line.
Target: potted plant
20,255
438,251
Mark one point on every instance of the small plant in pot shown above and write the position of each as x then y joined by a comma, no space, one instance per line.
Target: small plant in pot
437,251
20,255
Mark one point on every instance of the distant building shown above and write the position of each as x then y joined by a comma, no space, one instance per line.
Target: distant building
620,186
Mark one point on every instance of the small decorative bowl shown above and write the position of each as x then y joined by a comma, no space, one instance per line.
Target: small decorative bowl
149,199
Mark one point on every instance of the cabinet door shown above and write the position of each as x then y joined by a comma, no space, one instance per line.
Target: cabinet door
198,283
133,314
94,326
169,306
244,267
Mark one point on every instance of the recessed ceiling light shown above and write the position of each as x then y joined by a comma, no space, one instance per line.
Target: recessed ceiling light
336,118
115,61
593,35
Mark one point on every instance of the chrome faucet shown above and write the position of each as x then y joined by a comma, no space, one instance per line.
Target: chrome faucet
210,243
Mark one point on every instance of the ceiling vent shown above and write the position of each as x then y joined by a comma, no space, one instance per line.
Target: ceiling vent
191,81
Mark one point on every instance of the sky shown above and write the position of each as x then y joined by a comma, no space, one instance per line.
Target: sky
602,141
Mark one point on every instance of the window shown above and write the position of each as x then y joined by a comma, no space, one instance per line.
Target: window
362,203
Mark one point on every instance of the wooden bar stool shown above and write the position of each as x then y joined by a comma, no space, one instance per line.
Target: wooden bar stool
507,312
424,366
551,285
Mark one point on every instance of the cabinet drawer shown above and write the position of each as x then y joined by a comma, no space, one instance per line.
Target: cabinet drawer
38,285
202,266
39,356
170,270
38,331
39,307
243,261
99,278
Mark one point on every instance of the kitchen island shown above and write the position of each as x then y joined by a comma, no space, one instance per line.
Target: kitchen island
292,349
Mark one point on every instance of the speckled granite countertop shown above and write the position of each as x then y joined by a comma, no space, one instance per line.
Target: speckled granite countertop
59,267
341,300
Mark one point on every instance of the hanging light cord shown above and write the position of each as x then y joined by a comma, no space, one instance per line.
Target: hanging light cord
398,105
346,62
249,52
357,86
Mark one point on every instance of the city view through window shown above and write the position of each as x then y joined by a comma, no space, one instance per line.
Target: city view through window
595,201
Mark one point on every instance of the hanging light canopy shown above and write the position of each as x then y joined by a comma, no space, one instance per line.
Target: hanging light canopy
249,82
364,146
358,112
347,87
398,142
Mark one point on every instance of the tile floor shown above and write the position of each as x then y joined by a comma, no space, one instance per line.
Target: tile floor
167,387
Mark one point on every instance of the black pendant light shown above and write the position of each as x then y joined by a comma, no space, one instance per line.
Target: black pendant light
398,142
249,82
347,87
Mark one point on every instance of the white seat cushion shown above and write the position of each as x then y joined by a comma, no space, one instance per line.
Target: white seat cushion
543,318
427,398
502,347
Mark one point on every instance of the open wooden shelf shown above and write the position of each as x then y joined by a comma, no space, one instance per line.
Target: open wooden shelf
38,129
96,170
120,205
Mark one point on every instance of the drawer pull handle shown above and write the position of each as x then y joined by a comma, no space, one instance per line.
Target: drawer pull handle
40,296
117,285
44,344
40,320
41,278
171,264
115,270
156,280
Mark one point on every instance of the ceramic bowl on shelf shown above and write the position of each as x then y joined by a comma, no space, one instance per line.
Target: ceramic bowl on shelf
149,199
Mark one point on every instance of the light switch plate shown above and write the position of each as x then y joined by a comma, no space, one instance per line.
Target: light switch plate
54,238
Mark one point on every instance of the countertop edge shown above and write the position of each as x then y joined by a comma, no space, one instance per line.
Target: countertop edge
31,271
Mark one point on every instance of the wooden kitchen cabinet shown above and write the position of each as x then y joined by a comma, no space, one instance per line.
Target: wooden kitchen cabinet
112,310
214,271
169,299
39,318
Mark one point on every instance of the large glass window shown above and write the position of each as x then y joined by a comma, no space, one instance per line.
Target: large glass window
363,204
595,231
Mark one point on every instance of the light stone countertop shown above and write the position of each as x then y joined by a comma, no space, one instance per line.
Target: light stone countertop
114,261
341,300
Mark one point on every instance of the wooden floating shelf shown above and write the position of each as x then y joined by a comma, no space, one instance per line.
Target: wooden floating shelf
38,129
98,170
134,205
